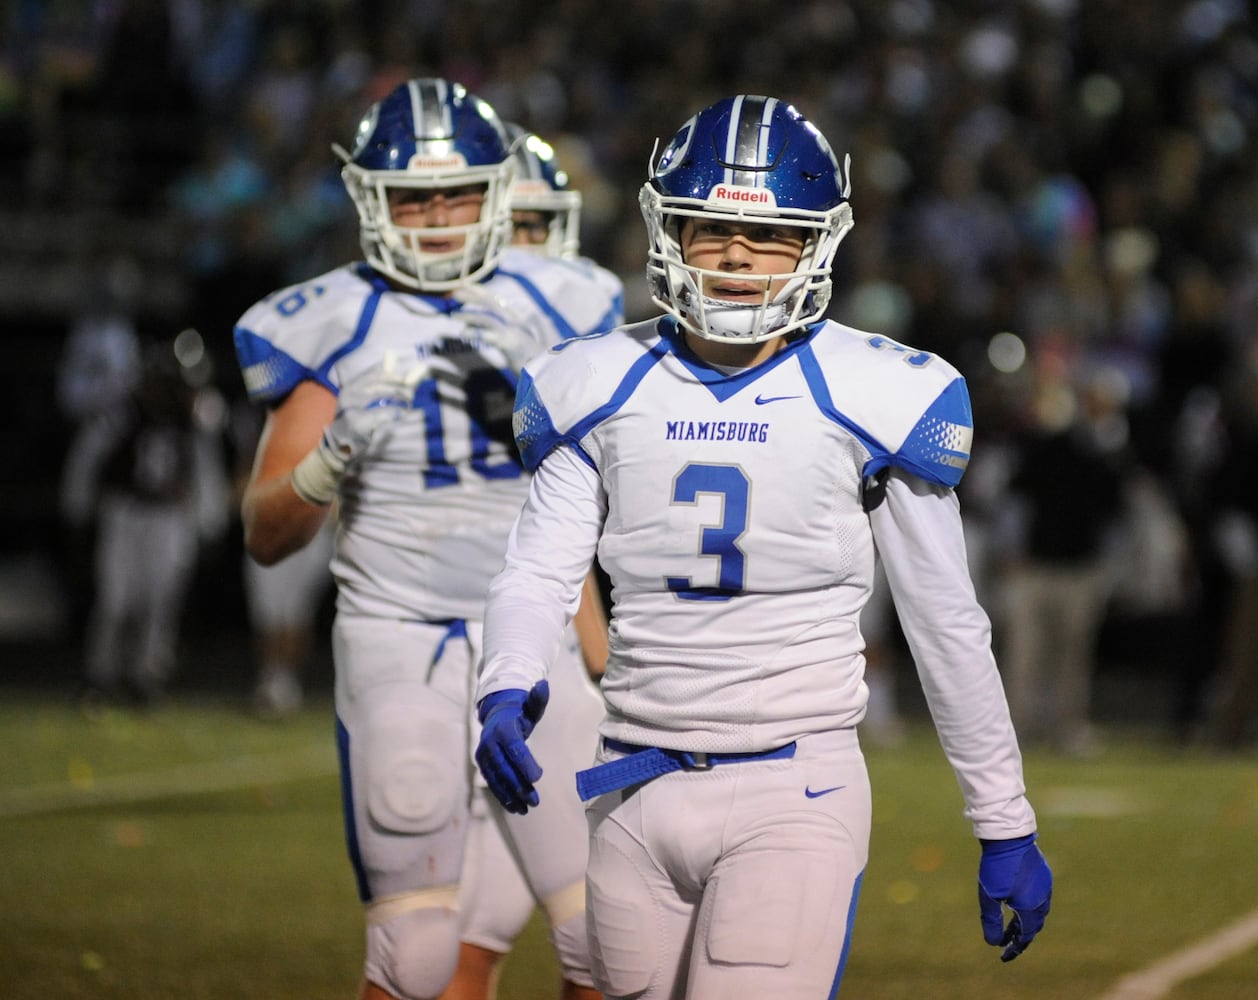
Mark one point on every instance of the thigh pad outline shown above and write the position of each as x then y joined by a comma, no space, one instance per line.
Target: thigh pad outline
415,767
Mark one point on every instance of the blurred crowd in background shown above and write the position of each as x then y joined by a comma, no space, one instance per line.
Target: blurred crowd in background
1059,197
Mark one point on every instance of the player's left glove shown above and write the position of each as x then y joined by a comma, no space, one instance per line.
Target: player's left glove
507,720
1015,874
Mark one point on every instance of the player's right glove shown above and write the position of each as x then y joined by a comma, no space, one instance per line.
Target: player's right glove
507,720
1015,874
378,396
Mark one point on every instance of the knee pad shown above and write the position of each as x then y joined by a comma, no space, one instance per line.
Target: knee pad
413,943
568,933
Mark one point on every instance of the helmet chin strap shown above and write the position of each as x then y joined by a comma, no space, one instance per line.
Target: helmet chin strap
424,268
742,321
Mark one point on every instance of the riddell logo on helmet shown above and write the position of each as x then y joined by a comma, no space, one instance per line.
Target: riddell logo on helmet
420,162
742,195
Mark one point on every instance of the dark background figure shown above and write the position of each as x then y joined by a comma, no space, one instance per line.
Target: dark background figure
146,478
1068,484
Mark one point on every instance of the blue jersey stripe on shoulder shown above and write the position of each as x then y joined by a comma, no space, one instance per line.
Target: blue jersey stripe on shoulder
271,373
562,325
608,321
821,396
365,319
636,373
614,316
938,447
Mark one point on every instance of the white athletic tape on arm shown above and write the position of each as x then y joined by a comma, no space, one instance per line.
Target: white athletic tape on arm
566,903
315,479
388,907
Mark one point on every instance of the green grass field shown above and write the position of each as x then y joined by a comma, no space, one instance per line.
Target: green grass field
196,853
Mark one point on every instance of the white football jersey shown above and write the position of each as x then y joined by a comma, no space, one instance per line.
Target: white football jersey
736,515
425,515
735,539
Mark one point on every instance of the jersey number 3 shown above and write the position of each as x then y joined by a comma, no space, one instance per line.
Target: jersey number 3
719,541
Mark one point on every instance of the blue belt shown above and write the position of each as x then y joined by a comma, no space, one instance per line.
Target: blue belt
644,763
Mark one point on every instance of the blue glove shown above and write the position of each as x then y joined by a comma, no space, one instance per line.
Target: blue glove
1013,872
507,720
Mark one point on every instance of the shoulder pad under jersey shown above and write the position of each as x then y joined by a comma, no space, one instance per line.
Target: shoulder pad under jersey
579,383
297,333
910,408
576,296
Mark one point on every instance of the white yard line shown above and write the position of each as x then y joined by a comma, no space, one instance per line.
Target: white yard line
192,779
1158,979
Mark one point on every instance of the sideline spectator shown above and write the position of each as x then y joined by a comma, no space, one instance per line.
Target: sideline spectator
151,478
1071,469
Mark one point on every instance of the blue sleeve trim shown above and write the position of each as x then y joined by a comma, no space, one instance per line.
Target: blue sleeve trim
535,433
938,447
269,373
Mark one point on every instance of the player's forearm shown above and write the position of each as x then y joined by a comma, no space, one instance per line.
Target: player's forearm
277,522
920,538
546,570
523,630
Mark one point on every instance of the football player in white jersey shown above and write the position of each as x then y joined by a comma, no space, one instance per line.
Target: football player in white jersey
389,385
545,212
495,902
735,464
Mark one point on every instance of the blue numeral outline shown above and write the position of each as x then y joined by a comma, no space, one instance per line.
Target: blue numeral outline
912,358
720,541
478,386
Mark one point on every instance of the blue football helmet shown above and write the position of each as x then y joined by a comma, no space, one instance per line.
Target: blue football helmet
746,159
540,185
430,134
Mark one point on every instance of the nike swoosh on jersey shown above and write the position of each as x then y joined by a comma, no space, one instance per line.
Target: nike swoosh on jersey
821,791
761,400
